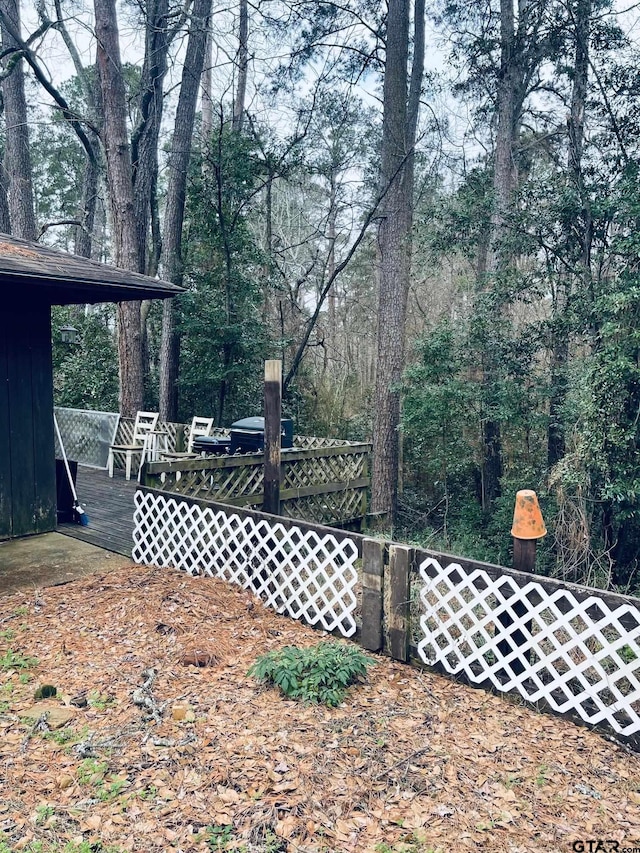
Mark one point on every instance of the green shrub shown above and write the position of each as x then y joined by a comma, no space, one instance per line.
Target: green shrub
15,660
318,674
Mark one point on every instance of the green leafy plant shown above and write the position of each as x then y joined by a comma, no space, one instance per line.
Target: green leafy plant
147,793
112,790
66,736
14,660
542,775
99,701
219,836
92,772
273,844
43,813
318,674
627,654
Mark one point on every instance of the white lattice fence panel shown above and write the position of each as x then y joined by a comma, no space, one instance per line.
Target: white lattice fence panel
124,435
298,572
579,655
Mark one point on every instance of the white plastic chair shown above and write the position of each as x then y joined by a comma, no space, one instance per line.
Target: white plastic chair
199,427
145,423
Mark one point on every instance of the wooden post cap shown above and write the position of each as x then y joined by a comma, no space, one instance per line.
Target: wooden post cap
527,518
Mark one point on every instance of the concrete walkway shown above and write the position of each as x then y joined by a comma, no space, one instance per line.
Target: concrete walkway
51,559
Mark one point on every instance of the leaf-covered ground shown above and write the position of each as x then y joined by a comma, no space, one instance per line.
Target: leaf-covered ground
162,755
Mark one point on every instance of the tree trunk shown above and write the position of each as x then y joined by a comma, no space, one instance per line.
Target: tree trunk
5,218
268,245
99,222
207,96
121,202
87,213
172,264
582,251
500,256
331,260
144,140
242,65
17,158
400,112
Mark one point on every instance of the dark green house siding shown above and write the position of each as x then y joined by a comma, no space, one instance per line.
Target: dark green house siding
27,458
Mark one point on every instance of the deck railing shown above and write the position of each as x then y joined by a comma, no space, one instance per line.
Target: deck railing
177,436
326,484
323,479
86,435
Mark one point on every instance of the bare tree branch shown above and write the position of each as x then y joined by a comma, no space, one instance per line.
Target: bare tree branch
70,115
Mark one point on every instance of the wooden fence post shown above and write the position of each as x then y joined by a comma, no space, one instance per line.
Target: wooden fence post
364,499
272,430
371,636
400,559
528,527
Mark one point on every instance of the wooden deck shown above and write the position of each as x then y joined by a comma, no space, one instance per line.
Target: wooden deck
109,505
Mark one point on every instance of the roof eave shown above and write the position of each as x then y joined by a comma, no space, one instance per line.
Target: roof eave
65,291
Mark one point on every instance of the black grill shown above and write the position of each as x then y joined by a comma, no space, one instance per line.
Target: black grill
247,435
210,445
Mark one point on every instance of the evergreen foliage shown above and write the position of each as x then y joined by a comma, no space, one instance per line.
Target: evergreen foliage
224,339
316,674
86,373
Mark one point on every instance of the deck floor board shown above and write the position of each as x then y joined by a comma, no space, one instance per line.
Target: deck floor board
109,505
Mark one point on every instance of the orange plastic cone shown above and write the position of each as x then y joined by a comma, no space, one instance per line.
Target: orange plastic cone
527,518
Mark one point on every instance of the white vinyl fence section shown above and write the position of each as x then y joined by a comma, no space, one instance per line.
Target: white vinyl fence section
299,572
575,652
572,649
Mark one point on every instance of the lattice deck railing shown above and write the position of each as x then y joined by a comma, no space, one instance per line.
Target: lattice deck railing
178,435
327,485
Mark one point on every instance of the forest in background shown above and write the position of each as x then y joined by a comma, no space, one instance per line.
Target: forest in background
444,258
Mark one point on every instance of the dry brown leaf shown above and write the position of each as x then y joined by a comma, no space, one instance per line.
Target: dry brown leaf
484,754
92,823
287,785
286,828
198,657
